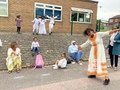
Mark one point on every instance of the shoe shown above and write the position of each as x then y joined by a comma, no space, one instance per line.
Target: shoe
106,81
92,76
33,54
80,64
49,33
9,72
110,66
18,70
54,65
115,69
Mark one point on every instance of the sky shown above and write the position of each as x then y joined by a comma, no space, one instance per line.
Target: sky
108,9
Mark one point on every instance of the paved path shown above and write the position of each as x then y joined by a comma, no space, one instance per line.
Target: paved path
72,78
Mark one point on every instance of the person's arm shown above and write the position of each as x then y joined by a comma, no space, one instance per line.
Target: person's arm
107,33
9,52
114,31
69,49
38,44
18,53
48,16
32,45
117,38
84,45
56,17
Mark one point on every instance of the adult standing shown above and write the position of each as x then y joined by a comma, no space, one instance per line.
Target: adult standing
116,48
18,23
97,65
51,23
113,58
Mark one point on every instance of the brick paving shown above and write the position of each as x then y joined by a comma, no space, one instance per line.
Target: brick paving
51,46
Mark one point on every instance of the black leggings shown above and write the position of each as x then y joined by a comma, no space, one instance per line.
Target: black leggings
114,58
18,29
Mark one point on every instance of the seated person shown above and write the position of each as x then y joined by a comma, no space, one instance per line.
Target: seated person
35,47
14,58
62,63
74,52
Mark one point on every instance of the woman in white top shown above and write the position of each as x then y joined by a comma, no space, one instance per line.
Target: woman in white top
51,23
14,58
62,63
113,58
35,47
97,65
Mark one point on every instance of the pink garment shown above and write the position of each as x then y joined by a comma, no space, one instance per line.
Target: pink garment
39,61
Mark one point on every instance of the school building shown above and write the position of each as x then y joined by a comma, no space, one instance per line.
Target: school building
83,13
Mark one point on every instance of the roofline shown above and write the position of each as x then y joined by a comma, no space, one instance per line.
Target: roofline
89,1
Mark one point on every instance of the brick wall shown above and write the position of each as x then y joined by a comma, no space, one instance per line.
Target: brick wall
26,9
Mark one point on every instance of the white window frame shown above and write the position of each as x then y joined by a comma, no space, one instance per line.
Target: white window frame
81,10
44,7
2,2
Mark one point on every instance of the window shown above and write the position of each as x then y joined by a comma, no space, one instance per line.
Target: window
3,7
81,15
42,9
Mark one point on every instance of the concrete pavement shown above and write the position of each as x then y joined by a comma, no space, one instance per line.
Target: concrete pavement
72,78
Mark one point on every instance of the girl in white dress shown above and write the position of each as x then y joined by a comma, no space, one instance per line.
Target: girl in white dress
51,23
42,28
36,24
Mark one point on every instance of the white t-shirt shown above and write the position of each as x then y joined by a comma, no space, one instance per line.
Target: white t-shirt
62,63
35,44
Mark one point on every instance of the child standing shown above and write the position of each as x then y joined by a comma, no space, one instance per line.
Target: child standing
62,63
36,24
18,23
35,47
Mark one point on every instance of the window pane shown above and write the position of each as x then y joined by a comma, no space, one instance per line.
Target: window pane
48,12
74,16
57,13
2,0
40,5
81,17
87,17
3,9
57,7
49,6
39,12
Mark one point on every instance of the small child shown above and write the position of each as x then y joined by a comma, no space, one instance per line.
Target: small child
36,24
62,63
35,47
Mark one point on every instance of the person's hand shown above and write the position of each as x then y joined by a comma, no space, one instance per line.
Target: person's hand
79,48
114,41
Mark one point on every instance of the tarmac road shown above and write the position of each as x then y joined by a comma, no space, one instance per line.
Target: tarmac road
72,78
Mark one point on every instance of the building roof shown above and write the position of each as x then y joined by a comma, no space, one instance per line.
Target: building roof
89,1
117,16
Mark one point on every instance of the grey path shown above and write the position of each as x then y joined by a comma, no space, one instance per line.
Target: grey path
72,78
